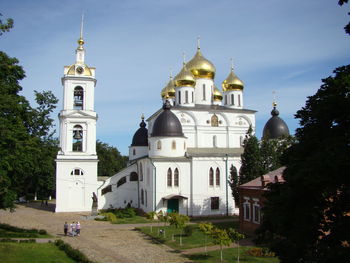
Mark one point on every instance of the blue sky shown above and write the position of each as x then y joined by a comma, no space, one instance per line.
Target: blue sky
287,46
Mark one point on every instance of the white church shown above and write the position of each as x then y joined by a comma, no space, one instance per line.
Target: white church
179,158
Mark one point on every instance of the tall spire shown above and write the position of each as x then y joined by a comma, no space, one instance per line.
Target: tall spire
81,40
274,103
231,59
184,58
198,42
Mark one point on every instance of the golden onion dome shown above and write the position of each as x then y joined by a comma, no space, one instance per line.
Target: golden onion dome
217,95
201,67
232,82
168,92
184,78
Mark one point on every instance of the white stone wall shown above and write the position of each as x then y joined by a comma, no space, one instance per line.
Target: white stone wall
181,100
136,152
74,192
166,146
237,102
200,98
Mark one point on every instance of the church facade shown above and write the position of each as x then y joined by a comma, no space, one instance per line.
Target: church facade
182,161
179,158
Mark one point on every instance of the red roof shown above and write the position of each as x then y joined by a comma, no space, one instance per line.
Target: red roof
261,182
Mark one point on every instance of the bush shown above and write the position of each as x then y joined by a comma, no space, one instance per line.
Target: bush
42,232
71,252
188,230
260,252
125,213
110,217
8,240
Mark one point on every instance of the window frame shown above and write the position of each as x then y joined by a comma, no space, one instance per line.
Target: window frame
169,178
247,210
211,177
214,203
217,177
176,177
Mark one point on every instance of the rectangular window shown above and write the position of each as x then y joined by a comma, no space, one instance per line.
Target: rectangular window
239,100
179,97
186,96
204,92
246,207
192,97
225,99
214,203
256,213
232,99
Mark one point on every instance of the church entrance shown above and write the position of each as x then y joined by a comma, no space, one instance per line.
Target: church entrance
173,205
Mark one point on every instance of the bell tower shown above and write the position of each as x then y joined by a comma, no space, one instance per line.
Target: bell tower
76,163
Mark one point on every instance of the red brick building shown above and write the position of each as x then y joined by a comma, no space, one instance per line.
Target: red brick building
251,200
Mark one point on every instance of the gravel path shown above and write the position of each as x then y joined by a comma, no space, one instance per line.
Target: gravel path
99,241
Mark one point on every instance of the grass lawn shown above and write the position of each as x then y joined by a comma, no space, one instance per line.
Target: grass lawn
230,256
32,253
195,240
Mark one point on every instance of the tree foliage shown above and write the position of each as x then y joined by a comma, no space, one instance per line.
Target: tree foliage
5,27
306,218
347,27
110,159
234,184
27,149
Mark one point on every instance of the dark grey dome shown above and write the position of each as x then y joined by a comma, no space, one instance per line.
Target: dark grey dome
141,135
275,127
167,124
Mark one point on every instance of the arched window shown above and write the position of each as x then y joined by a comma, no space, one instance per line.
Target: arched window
217,177
78,98
232,99
192,97
214,121
186,96
173,145
134,177
204,92
142,197
141,172
77,138
225,99
169,178
211,177
77,171
239,100
179,97
121,181
176,177
134,151
159,145
146,197
214,141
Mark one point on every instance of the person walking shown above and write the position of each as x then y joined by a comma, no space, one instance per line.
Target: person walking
73,229
78,227
65,228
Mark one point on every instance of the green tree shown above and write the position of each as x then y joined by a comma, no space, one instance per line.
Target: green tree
5,27
251,159
221,238
178,221
110,159
307,217
234,184
235,237
206,228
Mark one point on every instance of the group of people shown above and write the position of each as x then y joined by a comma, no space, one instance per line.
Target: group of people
72,229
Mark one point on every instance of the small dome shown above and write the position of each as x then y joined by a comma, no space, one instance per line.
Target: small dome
168,92
184,78
217,94
201,67
275,127
167,124
141,135
232,82
86,71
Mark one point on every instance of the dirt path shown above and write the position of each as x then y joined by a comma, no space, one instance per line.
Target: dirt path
99,241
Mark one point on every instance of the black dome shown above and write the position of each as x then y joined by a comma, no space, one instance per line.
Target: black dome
275,127
141,136
167,124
